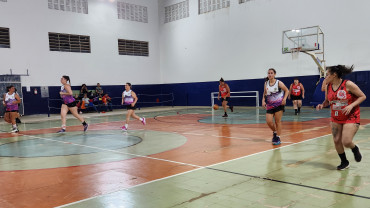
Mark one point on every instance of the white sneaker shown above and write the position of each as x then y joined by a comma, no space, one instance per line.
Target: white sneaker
15,130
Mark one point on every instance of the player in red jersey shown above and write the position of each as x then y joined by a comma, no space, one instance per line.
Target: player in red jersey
344,98
224,91
296,94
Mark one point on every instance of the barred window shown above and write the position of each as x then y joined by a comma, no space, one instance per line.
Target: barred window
133,47
206,6
3,0
4,37
243,1
176,11
69,43
78,6
132,12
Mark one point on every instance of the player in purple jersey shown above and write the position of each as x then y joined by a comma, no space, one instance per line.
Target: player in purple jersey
69,104
11,100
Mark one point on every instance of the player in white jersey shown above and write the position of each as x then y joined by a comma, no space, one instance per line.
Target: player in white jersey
129,99
11,100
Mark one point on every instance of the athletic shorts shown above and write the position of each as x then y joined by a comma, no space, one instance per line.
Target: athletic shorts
11,111
227,99
129,107
277,109
293,97
72,104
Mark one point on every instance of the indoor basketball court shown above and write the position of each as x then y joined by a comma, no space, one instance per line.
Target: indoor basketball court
200,76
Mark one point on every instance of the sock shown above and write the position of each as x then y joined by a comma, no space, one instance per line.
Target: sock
141,119
343,157
14,126
299,109
355,149
126,125
295,110
84,123
63,126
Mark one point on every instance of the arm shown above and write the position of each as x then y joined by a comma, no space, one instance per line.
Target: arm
286,91
228,90
355,90
264,96
219,92
122,99
4,100
323,86
290,90
133,94
17,98
302,90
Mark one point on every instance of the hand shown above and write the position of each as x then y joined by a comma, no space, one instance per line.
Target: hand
60,93
283,102
347,109
132,104
302,96
218,98
289,97
264,104
319,107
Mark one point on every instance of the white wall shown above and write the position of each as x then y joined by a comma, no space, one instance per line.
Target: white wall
243,41
30,21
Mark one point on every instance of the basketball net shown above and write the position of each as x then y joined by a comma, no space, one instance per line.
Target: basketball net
295,53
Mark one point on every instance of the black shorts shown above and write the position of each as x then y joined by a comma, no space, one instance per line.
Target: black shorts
72,104
293,97
129,107
277,109
227,99
11,111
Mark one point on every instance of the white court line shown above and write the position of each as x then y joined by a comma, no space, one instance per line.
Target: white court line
199,168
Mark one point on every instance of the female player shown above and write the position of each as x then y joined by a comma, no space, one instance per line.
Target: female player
344,98
69,104
129,99
11,100
274,99
296,94
224,91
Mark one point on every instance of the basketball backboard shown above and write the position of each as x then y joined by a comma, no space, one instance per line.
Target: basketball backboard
304,39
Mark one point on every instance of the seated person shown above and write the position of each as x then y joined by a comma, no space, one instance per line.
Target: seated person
107,102
83,91
99,90
88,103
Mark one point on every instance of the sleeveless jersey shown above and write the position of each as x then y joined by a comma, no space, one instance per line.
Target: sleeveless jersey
296,90
9,99
67,98
274,95
340,99
223,90
127,97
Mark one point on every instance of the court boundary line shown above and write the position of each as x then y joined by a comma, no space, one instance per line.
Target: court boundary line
200,168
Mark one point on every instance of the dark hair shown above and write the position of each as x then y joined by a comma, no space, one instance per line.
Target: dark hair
129,84
67,78
340,70
8,87
83,85
296,78
222,80
272,70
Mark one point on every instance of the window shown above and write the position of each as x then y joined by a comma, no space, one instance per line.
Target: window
3,0
212,5
132,12
243,1
69,43
79,6
176,11
133,47
4,37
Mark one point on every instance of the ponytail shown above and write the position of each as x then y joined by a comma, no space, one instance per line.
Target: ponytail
67,78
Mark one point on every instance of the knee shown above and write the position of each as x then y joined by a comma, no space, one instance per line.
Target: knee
347,144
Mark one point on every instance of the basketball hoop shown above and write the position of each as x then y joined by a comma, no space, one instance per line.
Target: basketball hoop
295,53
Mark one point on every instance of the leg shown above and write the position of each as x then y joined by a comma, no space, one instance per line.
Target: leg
270,121
7,117
295,107
129,113
133,115
299,105
336,130
278,116
13,115
349,131
75,114
63,114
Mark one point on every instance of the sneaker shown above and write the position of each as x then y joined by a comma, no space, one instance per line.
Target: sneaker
296,113
86,126
61,131
357,154
225,115
343,165
276,140
143,121
232,108
14,130
124,128
17,120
